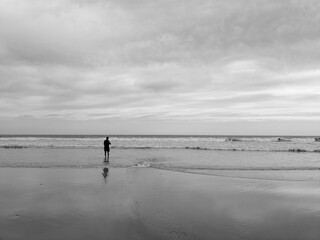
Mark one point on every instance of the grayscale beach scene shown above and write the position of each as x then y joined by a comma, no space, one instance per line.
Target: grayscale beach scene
167,119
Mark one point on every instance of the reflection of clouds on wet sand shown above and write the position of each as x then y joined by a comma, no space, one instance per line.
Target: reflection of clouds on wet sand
153,204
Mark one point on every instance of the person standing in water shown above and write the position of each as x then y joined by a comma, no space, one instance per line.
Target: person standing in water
106,144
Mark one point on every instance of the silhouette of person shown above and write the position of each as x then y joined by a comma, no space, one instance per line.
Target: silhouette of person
106,144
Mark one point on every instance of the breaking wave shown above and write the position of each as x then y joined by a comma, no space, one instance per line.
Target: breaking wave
204,143
297,150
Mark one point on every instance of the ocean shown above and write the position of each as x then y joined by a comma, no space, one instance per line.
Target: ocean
222,143
267,157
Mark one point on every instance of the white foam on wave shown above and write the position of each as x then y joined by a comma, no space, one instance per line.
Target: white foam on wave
296,144
142,165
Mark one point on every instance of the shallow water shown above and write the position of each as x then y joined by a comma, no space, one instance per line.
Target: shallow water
246,164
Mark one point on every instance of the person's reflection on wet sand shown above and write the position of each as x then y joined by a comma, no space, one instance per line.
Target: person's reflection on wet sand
105,173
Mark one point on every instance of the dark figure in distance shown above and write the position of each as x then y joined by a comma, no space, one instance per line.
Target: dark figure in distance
106,144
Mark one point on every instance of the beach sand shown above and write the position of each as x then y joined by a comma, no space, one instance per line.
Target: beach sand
146,203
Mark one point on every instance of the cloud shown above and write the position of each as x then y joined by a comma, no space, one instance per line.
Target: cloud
163,60
127,32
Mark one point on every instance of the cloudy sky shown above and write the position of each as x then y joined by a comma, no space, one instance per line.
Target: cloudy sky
160,67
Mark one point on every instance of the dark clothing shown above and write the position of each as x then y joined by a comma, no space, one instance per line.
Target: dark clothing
106,144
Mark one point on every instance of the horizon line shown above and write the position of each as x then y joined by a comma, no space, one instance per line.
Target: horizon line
163,135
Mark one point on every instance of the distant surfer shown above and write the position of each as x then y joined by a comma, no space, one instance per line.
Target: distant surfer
106,144
232,140
283,140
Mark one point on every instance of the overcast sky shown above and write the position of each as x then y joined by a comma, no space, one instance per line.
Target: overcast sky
160,66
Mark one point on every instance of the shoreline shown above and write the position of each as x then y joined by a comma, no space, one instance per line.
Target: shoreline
258,175
147,203
236,164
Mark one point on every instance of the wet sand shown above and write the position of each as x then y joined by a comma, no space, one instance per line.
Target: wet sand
145,203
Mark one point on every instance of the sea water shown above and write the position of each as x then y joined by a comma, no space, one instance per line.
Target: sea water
267,157
240,143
